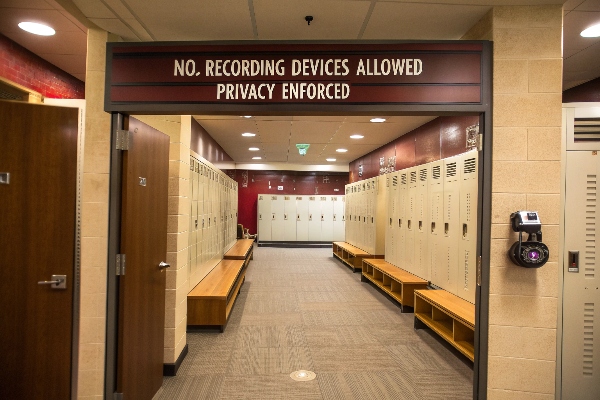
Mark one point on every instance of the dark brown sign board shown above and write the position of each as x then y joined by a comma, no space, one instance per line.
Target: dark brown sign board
223,77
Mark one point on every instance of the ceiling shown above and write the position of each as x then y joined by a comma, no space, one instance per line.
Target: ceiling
191,20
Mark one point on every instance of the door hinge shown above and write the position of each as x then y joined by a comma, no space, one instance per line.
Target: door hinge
478,271
123,139
120,264
118,396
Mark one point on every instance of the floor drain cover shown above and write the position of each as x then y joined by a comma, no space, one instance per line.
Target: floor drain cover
302,375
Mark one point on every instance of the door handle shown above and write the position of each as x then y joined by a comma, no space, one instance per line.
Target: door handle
56,282
163,265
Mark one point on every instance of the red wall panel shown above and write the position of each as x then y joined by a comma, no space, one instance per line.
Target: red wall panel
584,93
19,65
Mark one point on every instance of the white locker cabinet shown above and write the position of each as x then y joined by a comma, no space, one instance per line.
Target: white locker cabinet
277,221
448,268
389,226
289,218
302,218
338,218
379,214
435,206
314,218
421,256
401,218
327,205
411,223
467,250
264,217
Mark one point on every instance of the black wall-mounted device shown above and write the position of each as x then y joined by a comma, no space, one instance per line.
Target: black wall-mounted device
531,253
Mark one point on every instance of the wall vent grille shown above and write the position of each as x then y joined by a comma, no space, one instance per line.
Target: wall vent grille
436,172
423,175
395,181
450,169
588,339
586,130
403,179
469,166
590,226
413,176
466,270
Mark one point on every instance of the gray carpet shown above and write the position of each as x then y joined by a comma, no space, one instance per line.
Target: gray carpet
302,309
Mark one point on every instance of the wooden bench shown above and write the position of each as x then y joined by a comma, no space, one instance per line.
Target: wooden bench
350,255
449,316
243,249
210,302
394,281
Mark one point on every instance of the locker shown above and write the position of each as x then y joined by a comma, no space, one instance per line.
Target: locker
391,183
264,217
314,218
467,250
435,205
339,218
289,218
327,218
448,268
302,218
411,220
401,218
277,221
422,228
379,215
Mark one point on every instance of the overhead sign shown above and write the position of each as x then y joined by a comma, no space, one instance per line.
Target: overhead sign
192,75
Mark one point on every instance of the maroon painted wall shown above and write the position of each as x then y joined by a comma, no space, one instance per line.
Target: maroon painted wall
19,65
443,137
206,147
584,93
293,182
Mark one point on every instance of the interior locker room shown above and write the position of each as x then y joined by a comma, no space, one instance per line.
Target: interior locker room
433,202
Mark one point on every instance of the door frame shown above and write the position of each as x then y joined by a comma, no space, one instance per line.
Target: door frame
484,110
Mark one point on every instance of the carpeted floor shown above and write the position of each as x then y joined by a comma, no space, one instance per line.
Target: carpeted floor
302,309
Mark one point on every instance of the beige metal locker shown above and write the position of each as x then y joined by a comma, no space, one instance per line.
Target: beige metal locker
411,221
289,218
448,268
327,203
339,218
435,205
421,256
401,218
467,247
264,217
302,218
391,183
314,218
277,222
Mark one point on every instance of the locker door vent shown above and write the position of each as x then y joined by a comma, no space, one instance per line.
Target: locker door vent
470,165
586,130
588,339
449,204
590,227
436,172
468,207
395,181
403,179
466,270
423,175
450,169
413,176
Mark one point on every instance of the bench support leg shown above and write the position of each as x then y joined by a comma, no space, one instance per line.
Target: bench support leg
419,324
407,309
362,278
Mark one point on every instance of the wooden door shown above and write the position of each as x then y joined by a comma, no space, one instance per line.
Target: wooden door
38,148
140,346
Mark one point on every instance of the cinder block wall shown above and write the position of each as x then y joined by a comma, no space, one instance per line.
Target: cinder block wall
527,87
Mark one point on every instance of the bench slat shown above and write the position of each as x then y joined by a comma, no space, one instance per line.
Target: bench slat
239,250
218,283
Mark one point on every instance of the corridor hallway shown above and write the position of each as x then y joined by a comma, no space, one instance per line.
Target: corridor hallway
300,309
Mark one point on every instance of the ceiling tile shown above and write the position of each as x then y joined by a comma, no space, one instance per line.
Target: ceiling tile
72,63
574,23
313,131
94,9
284,19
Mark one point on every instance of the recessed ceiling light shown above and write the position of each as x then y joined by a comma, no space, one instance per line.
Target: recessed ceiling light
592,31
257,158
37,29
356,137
342,150
248,134
331,159
377,119
254,149
247,116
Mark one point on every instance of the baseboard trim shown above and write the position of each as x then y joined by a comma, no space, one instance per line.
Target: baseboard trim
171,369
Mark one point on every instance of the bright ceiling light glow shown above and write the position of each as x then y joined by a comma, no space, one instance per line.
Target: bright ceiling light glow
247,116
592,31
248,134
330,159
257,158
37,29
377,119
254,149
356,137
342,150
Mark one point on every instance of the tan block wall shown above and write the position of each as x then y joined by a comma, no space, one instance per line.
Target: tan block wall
527,87
94,229
179,130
